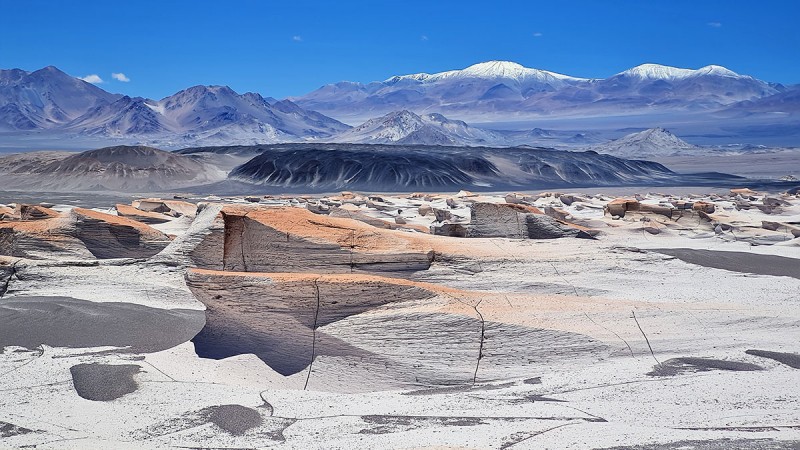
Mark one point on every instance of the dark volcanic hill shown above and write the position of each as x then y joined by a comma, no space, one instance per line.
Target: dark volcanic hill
327,167
121,168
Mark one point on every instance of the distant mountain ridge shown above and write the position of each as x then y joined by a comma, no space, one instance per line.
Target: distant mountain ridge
505,89
49,99
406,128
49,109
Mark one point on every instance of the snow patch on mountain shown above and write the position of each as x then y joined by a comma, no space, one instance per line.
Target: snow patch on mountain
659,72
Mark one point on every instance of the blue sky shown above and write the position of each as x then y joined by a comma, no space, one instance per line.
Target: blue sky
289,48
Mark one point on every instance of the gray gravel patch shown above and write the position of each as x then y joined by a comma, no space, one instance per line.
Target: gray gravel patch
235,419
28,321
790,359
743,262
678,366
104,382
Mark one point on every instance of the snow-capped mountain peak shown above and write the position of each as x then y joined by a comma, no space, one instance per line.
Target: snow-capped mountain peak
657,72
660,72
718,71
489,70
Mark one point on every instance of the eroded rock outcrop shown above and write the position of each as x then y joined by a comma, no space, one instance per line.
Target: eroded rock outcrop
276,315
354,332
83,234
148,217
514,221
286,239
169,207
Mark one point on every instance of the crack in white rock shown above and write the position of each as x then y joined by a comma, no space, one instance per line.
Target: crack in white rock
313,334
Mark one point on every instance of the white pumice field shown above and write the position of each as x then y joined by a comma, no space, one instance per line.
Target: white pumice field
453,320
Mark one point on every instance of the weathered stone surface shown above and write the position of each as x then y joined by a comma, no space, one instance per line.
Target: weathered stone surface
275,315
286,239
356,331
451,229
202,245
442,214
619,206
705,207
516,222
665,211
169,207
148,217
81,233
34,212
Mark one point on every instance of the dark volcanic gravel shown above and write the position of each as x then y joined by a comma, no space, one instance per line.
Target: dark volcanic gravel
104,382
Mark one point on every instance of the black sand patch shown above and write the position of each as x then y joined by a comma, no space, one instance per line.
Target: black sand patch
104,382
790,359
9,429
69,322
716,444
742,262
235,419
678,366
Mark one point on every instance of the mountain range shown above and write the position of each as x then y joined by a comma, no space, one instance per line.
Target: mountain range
60,111
50,100
505,90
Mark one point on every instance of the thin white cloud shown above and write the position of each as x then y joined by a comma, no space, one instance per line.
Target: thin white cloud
423,38
93,78
297,38
537,34
119,76
714,24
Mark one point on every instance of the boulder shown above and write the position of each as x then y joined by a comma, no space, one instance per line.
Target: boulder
318,208
442,214
424,210
450,229
567,199
618,207
705,207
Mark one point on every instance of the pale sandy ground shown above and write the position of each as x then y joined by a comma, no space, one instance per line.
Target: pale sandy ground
641,307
